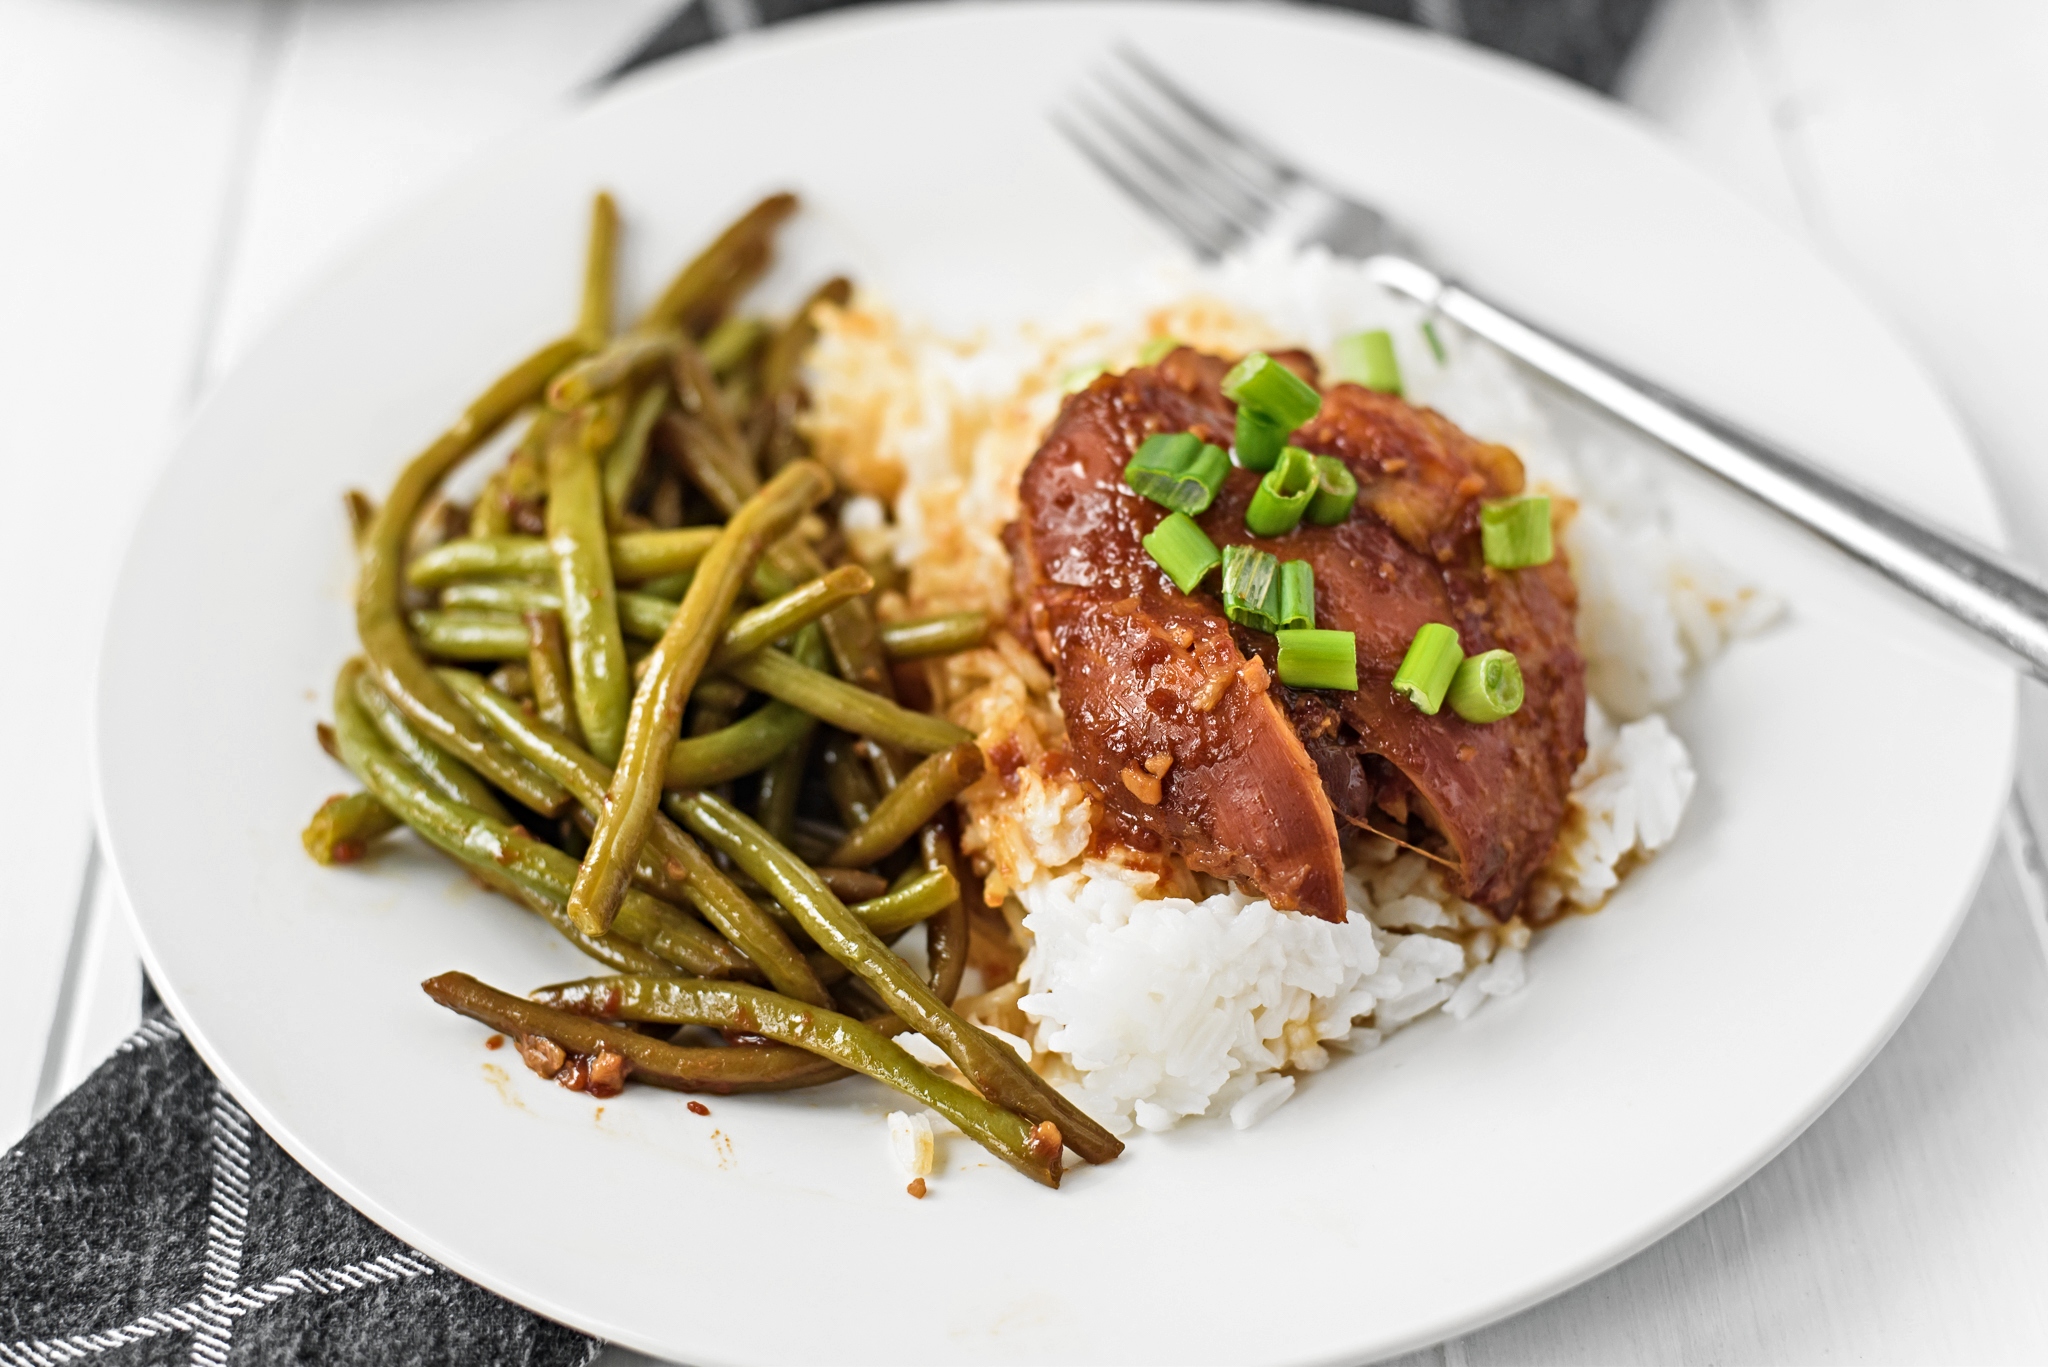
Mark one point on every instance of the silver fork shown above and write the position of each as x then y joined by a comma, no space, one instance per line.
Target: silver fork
1218,188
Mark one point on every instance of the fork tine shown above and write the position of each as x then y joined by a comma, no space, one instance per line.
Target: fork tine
1244,205
1169,181
1159,196
1277,168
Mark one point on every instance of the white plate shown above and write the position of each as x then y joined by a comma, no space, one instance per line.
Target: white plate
1852,761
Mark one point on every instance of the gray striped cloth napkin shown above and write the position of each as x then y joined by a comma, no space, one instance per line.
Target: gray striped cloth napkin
147,1220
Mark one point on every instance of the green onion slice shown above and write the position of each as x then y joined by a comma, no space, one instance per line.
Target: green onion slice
1436,343
1318,659
1297,595
1515,532
1258,441
1427,670
1367,358
1336,491
1283,495
1178,471
1262,384
1251,587
1157,350
1081,376
1184,551
1487,687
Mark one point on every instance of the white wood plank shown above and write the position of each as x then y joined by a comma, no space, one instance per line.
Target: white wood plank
1694,74
377,102
117,130
1921,126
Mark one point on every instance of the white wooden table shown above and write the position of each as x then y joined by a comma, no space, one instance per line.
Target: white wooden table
176,170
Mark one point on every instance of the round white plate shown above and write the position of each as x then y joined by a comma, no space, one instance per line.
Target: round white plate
1852,761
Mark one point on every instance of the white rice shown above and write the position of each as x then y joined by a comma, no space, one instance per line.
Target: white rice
1155,995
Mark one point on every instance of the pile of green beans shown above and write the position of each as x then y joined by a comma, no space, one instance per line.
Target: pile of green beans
640,684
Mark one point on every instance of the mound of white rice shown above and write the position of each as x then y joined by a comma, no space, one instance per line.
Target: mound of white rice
1152,993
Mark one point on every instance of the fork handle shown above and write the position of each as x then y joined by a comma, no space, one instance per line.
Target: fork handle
1970,583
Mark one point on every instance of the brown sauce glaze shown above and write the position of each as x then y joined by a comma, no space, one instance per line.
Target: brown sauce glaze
1260,775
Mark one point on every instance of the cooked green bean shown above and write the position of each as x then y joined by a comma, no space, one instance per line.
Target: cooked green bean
843,705
341,831
735,1068
698,394
589,604
704,883
547,664
945,934
925,895
751,743
782,783
719,471
776,438
501,856
600,267
479,557
786,352
514,678
628,456
518,478
851,885
850,781
446,774
726,478
849,630
922,794
844,1040
669,586
709,713
477,637
732,344
719,691
679,657
397,663
647,617
634,354
361,513
927,636
999,1074
888,911
762,626
701,292
640,614
635,556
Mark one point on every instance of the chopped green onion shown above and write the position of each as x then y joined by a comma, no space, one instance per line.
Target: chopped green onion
1367,358
1515,532
1262,384
1283,495
1487,687
1251,587
1184,551
1427,670
1157,350
1081,376
1178,471
1336,491
1258,440
1436,343
1297,595
1318,659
